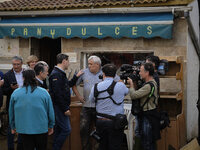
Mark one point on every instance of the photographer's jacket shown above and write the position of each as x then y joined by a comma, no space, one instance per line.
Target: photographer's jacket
143,94
59,88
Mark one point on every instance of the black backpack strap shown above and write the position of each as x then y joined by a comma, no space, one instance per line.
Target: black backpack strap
150,94
96,93
110,91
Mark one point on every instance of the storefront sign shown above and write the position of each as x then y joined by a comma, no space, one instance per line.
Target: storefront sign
147,31
98,26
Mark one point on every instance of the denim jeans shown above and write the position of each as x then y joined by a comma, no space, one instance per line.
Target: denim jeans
62,128
146,134
136,129
87,119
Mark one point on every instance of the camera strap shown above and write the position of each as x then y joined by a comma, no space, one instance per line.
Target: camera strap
110,91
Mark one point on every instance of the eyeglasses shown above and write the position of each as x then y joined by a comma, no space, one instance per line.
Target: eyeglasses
16,64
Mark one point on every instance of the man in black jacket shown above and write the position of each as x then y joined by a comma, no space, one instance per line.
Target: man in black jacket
59,89
12,80
41,71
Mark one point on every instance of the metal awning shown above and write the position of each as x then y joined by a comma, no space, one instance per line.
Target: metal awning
131,25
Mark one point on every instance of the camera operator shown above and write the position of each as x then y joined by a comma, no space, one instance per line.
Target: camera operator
149,130
155,60
110,105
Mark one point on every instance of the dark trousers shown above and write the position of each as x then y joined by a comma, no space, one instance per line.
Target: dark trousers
111,139
34,141
62,129
87,119
10,140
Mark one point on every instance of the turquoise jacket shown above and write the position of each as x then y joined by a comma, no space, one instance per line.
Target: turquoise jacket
31,113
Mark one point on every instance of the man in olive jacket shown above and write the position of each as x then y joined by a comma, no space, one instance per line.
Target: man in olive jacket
148,124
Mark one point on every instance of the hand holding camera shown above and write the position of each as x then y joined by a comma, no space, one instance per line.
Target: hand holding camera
130,82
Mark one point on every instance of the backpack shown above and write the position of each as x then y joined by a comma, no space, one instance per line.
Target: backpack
164,120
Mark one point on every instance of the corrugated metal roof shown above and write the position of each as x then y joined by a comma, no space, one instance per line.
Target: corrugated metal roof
17,5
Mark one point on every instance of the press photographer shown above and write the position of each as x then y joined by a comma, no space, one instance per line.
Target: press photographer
109,98
149,130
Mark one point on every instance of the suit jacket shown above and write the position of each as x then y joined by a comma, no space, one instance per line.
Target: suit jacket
59,88
44,85
9,78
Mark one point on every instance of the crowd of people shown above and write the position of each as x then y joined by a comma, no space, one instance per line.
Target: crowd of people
38,104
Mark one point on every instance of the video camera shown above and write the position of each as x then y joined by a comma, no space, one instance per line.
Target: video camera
160,65
132,71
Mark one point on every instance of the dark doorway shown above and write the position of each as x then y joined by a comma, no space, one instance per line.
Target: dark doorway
46,49
119,58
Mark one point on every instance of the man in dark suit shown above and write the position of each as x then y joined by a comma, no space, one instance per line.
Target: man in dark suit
12,80
41,71
59,89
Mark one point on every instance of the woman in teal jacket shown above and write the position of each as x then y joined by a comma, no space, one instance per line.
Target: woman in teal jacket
31,113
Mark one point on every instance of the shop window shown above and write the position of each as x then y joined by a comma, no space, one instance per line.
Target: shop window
117,58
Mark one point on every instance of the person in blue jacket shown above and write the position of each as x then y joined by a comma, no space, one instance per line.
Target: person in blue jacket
59,89
31,113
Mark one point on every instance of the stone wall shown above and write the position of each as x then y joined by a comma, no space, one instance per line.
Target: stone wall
10,48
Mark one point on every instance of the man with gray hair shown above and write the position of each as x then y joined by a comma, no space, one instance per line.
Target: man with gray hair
88,112
12,80
88,116
41,71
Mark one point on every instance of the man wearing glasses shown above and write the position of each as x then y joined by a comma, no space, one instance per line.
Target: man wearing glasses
12,80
